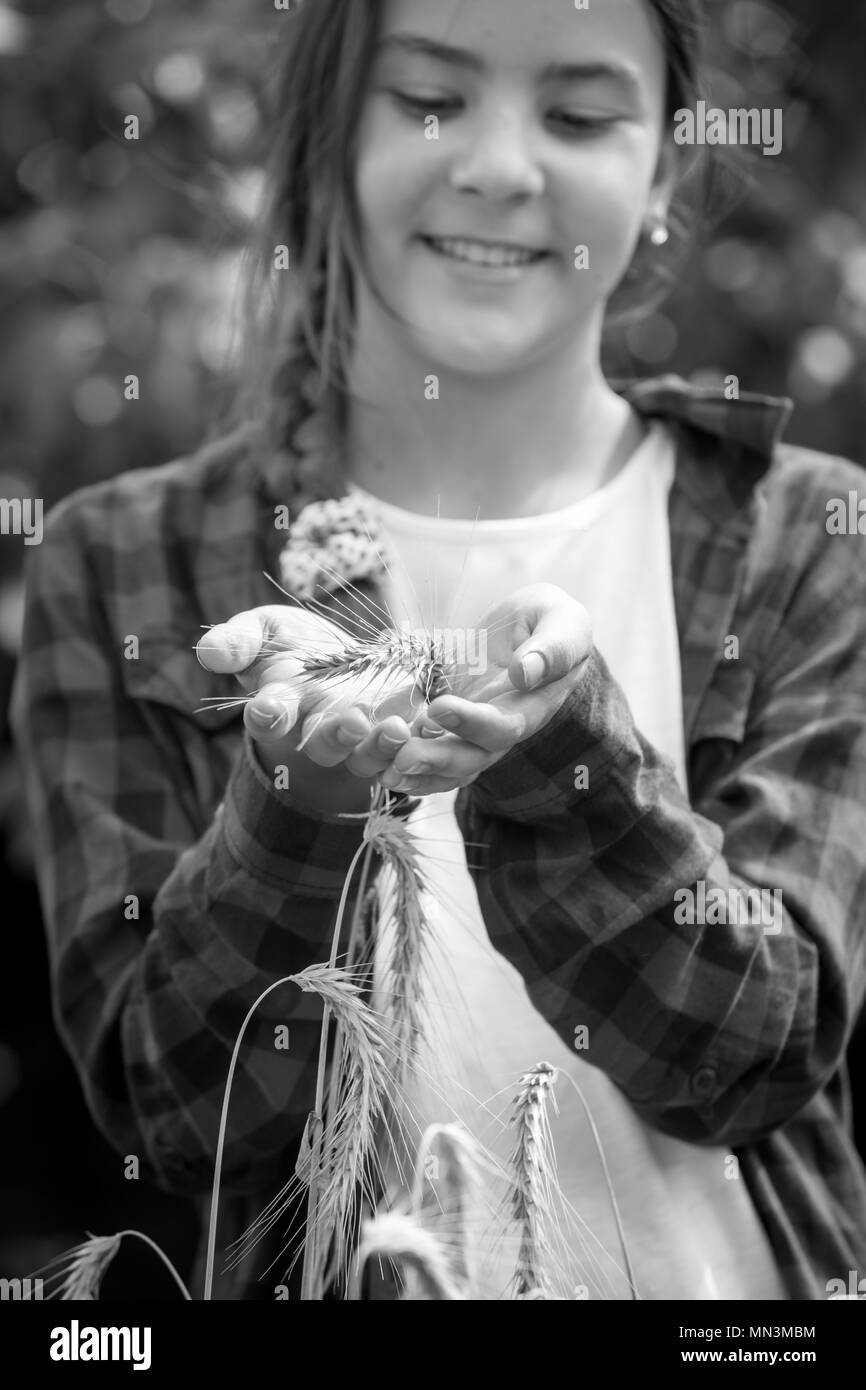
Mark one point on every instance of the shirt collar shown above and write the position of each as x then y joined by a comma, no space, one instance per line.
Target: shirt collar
724,447
752,419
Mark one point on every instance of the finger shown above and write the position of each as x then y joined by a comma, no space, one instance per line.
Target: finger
495,728
272,712
331,735
262,635
231,647
449,757
561,639
379,748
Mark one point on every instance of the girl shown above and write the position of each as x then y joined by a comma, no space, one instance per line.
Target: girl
669,727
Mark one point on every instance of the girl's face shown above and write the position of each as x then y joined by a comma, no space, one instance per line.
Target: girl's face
550,123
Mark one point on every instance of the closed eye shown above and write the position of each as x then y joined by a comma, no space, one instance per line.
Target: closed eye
421,105
582,123
435,103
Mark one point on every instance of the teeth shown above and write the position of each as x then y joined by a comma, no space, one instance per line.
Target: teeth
483,255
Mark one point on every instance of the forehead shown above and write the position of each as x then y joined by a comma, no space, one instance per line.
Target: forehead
527,37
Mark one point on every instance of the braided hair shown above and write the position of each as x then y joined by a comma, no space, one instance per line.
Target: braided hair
298,318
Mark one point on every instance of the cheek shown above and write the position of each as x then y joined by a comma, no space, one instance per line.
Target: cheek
606,200
392,171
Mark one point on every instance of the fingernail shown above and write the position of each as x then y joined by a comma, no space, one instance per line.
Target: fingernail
314,724
448,721
533,667
267,711
390,742
431,731
415,769
347,738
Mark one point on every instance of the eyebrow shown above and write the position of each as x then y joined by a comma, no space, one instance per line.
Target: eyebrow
415,44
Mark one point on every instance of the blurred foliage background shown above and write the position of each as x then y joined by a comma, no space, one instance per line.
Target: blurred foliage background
121,257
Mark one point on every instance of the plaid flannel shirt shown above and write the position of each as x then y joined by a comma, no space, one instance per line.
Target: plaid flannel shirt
178,883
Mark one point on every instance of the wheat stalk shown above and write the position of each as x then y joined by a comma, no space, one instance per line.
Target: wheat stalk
533,1175
347,1145
336,1150
83,1268
218,1161
403,910
311,1257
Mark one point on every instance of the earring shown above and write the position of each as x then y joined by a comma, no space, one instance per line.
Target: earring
659,234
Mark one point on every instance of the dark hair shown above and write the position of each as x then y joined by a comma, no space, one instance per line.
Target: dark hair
298,326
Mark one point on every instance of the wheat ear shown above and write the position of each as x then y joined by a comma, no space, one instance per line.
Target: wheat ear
311,1256
83,1268
346,1142
533,1176
401,1238
403,909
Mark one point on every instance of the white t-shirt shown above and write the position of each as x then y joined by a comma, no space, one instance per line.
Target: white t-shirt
689,1224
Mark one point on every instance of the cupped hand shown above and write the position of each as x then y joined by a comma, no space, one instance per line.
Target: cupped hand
332,724
537,642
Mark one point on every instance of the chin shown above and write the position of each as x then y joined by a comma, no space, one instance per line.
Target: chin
475,353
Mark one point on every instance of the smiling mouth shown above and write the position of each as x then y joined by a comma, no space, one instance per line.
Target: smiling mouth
485,253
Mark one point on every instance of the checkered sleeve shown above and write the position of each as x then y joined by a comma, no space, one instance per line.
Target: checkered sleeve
716,1032
161,937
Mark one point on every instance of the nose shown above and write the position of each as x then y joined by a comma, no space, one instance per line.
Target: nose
498,159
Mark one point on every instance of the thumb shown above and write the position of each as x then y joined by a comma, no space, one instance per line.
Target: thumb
560,640
231,647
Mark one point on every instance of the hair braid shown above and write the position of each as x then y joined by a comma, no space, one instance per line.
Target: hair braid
301,421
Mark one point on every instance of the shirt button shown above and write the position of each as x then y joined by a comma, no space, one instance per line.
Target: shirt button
704,1083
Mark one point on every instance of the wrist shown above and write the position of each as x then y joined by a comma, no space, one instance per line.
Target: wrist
281,841
561,764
